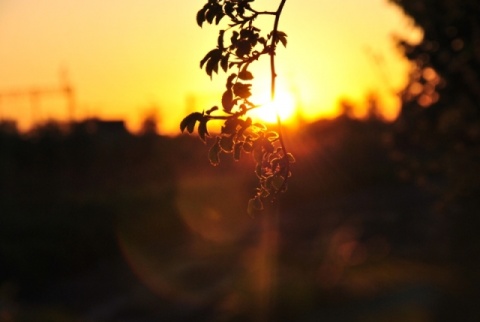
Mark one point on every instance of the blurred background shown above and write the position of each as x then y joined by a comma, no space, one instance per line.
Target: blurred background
108,213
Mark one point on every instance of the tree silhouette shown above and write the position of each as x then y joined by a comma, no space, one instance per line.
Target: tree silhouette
439,125
447,59
440,115
239,45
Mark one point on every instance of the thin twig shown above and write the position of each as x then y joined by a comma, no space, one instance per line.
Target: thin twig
273,88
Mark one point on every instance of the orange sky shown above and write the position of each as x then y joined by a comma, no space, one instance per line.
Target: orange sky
127,58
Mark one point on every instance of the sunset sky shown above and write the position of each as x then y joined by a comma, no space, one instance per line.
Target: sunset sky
126,59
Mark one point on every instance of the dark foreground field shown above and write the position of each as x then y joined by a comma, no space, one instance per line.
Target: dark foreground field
97,224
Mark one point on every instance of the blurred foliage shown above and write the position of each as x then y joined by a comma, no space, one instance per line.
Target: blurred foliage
439,124
79,201
440,111
438,130
62,191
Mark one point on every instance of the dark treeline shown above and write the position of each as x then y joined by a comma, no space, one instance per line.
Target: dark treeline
72,198
62,190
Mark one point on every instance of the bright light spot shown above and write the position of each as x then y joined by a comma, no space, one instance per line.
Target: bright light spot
284,104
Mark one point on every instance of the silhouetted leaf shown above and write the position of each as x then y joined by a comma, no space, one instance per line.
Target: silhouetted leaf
244,125
237,151
241,9
201,16
213,60
226,143
255,206
189,121
268,146
231,125
245,33
224,62
283,40
243,48
234,39
290,158
212,66
211,14
242,90
264,193
228,8
260,126
207,57
278,182
248,147
211,110
214,153
275,162
258,154
230,79
202,129
220,39
281,37
245,75
219,16
271,136
227,101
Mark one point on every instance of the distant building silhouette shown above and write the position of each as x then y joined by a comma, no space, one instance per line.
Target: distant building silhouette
8,127
101,128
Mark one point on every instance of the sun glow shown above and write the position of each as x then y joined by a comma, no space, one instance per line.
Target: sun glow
284,105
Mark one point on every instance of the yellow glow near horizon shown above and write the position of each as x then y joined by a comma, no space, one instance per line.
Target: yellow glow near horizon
284,105
125,58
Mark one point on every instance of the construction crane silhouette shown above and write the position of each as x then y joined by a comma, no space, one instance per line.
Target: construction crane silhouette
35,93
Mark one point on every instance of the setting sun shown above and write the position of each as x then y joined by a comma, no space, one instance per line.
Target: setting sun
284,104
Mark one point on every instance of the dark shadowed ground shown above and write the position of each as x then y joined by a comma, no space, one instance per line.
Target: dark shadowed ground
97,224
